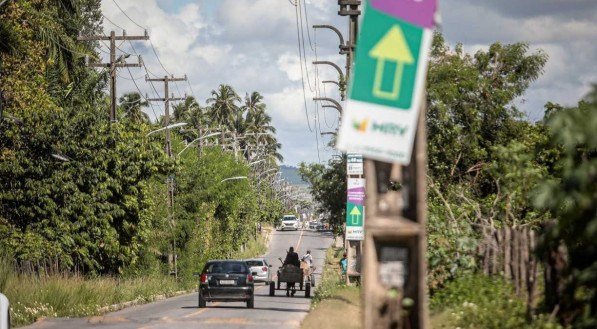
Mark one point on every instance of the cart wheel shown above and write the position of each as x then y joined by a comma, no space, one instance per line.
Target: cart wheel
278,284
272,288
308,291
313,280
301,286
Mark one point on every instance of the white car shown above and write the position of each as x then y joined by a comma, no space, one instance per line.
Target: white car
4,312
289,222
261,270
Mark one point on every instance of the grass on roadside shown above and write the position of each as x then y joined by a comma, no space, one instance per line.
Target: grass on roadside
72,296
254,248
334,304
478,301
32,297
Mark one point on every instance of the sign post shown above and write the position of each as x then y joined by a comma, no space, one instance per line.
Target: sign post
389,76
384,120
355,209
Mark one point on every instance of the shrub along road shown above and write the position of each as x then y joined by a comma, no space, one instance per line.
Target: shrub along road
182,312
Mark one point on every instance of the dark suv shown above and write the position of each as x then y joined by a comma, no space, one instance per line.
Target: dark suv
226,281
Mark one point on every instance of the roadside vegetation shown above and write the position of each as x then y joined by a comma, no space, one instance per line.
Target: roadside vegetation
334,304
479,302
69,295
84,218
510,198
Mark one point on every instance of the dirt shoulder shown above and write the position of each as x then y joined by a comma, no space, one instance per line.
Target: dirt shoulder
335,305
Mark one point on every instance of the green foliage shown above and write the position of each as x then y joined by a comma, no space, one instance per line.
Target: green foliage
484,159
34,297
331,280
470,106
572,199
328,187
478,301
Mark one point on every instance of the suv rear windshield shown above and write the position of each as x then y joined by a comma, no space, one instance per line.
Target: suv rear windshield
226,267
254,263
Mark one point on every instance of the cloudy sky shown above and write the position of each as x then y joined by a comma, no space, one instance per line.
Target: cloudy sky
253,46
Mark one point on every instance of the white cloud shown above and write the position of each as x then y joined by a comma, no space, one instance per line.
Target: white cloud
252,45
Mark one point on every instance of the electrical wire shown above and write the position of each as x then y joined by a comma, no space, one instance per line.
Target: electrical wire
130,79
112,22
298,38
127,16
141,94
303,47
150,42
307,21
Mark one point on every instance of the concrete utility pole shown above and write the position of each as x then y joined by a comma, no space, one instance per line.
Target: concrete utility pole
114,62
170,182
351,9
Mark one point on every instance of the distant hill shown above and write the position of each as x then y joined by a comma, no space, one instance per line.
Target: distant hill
291,175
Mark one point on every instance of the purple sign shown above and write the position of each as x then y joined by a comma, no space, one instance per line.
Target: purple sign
417,12
356,191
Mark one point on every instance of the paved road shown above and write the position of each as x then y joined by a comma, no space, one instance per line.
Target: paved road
182,312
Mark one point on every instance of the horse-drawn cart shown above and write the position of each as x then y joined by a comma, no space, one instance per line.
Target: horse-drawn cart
291,275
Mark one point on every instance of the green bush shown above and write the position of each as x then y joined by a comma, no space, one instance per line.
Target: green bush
330,278
478,301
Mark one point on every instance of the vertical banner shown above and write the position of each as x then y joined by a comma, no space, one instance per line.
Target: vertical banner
355,209
386,89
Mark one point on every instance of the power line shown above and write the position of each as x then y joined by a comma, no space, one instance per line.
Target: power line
303,46
112,22
150,42
127,16
307,21
298,38
141,94
114,62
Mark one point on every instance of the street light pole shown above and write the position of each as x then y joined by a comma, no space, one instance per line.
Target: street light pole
336,105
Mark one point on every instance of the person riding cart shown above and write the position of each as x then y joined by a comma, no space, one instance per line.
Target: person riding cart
292,259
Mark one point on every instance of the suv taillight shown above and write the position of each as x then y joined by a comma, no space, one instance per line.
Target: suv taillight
264,269
203,278
249,278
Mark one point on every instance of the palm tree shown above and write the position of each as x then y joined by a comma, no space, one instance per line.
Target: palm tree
183,111
223,108
131,105
258,127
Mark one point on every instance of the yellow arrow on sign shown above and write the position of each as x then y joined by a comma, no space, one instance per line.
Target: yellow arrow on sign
355,213
391,48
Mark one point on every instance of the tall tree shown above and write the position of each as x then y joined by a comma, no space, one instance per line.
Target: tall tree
572,198
224,106
471,106
132,105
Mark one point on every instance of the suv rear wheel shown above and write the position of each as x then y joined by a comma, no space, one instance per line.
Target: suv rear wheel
251,302
201,301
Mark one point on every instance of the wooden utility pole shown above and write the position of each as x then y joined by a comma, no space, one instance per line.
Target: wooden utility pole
395,243
170,181
166,99
114,62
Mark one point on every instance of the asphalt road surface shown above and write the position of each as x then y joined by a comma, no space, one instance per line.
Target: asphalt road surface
182,312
